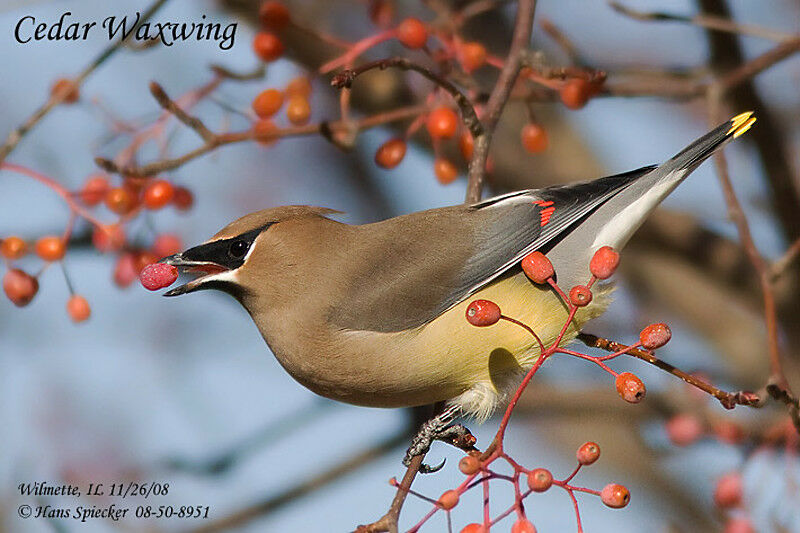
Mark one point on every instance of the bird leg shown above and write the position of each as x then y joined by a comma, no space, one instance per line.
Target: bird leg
439,428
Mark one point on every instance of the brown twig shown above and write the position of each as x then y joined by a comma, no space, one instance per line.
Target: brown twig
710,22
499,96
221,139
780,265
56,98
727,399
561,39
345,79
170,106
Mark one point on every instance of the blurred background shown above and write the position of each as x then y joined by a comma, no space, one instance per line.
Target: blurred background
184,391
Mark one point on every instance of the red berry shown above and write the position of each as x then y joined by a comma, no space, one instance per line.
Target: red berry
183,198
537,267
299,86
267,103
267,46
472,55
298,110
534,138
473,528
540,479
66,87
442,123
739,525
390,153
523,525
13,248
51,248
273,15
108,238
142,259
483,313
575,93
412,32
120,200
78,308
157,276
630,388
158,193
728,432
655,336
615,496
265,132
604,262
448,499
94,189
729,490
467,145
580,295
588,453
683,429
446,172
469,465
20,287
125,270
166,244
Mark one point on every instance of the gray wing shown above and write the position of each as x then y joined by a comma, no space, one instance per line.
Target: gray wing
414,275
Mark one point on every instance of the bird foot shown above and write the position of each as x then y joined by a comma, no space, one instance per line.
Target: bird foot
438,428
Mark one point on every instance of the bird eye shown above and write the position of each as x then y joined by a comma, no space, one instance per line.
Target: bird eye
238,249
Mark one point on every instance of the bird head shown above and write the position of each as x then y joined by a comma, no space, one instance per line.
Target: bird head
248,255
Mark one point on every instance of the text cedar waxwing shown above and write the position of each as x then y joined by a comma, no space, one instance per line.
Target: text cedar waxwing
374,314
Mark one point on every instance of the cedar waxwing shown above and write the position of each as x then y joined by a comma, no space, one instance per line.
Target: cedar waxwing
374,314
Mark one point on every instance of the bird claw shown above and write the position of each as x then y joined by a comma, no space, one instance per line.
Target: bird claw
438,428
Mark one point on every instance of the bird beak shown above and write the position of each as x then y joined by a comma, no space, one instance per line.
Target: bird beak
210,269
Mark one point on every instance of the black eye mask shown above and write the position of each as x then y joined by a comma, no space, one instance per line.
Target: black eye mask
228,253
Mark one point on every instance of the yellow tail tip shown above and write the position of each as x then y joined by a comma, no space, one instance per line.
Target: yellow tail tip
741,123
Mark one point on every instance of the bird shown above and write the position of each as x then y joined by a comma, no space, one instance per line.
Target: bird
374,314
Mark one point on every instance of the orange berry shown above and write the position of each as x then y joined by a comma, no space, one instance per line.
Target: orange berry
655,336
467,145
540,479
412,33
108,238
473,56
534,138
537,267
13,248
615,496
630,387
523,525
683,429
264,132
298,110
78,308
158,194
94,189
120,200
446,172
473,528
267,103
125,270
483,313
267,46
442,123
575,93
588,453
469,465
183,198
66,87
20,287
580,295
448,499
166,244
604,262
739,525
299,86
274,15
51,248
390,153
728,491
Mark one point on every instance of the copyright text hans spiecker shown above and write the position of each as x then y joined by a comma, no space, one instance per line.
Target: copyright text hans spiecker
29,29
